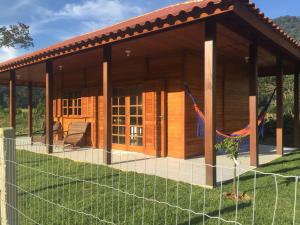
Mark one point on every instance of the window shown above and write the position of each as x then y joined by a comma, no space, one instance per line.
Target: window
118,116
72,104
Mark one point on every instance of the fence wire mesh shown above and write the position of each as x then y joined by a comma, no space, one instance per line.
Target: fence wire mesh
72,186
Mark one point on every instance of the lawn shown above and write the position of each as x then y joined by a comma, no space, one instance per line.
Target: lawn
58,191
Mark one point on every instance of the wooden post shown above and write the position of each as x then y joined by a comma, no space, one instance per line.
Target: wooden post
8,183
30,109
253,114
107,142
12,99
279,106
49,106
296,109
209,101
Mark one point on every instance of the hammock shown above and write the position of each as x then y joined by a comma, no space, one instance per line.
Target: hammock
242,134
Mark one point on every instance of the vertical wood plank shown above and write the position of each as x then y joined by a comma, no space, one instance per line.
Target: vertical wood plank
253,114
164,120
12,99
279,106
30,109
209,101
107,142
49,106
296,108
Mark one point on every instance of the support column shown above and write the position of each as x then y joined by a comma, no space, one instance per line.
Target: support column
12,99
30,109
49,106
107,142
210,64
296,109
279,106
253,114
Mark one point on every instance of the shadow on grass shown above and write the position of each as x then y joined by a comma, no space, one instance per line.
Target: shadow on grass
55,186
215,213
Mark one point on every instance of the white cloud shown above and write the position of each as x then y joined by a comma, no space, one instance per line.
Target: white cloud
84,17
99,9
7,53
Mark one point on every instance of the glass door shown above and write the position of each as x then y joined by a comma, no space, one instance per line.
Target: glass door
136,117
127,118
118,116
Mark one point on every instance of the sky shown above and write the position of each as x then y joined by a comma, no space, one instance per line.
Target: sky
52,21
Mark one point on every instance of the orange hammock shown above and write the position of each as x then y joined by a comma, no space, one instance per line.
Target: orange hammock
240,133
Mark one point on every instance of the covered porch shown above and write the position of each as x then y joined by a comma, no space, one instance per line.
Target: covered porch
128,85
192,171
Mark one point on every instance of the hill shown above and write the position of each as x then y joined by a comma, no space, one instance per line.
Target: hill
290,24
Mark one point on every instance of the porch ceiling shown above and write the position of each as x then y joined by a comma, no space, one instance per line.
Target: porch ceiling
186,38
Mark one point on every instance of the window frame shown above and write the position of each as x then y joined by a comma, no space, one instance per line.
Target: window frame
71,103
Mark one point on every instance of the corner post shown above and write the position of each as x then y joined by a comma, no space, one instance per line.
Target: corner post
49,106
253,114
30,109
8,192
12,99
210,66
107,142
279,106
296,108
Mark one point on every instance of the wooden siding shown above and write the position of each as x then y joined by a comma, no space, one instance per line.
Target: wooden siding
155,74
231,104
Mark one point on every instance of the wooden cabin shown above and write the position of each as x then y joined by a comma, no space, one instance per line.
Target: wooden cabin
127,80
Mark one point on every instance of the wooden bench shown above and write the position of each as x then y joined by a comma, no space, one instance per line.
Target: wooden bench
76,134
57,129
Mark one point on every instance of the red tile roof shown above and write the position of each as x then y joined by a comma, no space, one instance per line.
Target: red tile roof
173,15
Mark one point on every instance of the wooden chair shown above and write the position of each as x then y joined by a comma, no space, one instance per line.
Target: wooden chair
76,135
57,129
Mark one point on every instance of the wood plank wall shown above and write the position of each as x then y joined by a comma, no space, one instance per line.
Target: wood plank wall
169,70
232,99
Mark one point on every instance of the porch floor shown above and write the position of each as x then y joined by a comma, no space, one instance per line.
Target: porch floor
190,171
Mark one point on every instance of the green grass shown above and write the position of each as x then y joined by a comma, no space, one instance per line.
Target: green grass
22,120
81,187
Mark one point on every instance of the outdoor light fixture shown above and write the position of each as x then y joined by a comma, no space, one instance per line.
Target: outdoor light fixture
60,68
247,59
128,52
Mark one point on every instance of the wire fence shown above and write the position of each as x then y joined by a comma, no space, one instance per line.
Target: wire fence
72,186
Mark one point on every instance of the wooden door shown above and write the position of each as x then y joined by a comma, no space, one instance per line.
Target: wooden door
138,118
155,118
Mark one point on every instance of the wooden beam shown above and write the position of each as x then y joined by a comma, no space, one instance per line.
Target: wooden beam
29,109
49,106
253,114
210,63
107,142
279,106
296,109
12,99
254,21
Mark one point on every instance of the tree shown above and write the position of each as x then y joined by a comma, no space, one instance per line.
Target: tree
231,146
16,35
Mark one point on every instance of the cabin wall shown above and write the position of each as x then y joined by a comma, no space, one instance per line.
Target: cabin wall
232,91
87,81
158,75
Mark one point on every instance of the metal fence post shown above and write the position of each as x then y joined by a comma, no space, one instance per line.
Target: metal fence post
8,177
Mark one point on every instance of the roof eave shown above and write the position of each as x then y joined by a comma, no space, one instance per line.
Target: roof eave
266,27
138,30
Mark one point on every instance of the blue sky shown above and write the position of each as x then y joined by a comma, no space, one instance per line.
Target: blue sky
52,21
